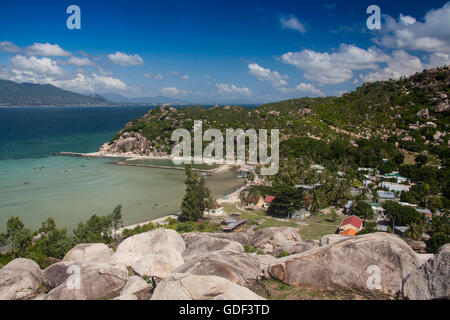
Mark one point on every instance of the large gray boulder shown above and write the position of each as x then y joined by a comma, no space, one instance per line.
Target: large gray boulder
431,280
195,287
268,238
244,238
264,261
157,265
56,274
134,285
89,253
294,248
19,279
210,244
86,281
332,238
351,263
236,267
132,249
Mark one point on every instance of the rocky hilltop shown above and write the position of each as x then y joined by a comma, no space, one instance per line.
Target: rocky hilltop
412,113
162,264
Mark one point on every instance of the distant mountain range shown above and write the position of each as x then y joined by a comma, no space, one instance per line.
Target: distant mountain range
30,94
117,98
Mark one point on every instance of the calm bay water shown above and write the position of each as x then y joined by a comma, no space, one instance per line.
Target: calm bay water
35,185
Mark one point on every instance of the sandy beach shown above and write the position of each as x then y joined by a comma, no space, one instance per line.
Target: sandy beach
158,221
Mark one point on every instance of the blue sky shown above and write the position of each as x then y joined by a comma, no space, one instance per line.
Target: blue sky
220,51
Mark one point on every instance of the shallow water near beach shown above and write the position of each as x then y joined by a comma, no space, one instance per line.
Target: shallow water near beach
35,185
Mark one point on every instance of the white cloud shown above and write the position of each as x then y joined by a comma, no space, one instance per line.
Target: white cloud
407,20
45,70
124,59
91,83
80,62
46,49
432,35
43,66
186,77
158,76
292,23
227,89
8,46
336,67
400,64
147,75
266,75
172,91
309,88
438,60
104,72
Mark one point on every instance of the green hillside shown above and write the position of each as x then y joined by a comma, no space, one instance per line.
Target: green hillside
410,113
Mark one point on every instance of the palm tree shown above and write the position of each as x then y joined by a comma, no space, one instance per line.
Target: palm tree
415,230
243,197
318,201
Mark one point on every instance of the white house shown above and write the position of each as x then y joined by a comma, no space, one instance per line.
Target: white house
217,211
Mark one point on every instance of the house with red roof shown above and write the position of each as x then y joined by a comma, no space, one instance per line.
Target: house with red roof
352,222
268,200
216,210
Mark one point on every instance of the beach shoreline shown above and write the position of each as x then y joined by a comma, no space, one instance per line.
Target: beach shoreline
128,158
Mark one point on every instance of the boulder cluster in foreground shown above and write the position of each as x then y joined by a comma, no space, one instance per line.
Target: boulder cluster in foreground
164,265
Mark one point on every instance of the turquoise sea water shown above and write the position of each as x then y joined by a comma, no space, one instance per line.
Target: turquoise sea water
35,185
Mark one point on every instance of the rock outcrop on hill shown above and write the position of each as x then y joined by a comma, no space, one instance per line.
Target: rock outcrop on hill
431,280
269,238
129,142
234,266
244,238
134,285
293,248
89,253
19,279
206,245
332,238
195,287
134,248
84,281
350,264
158,265
215,266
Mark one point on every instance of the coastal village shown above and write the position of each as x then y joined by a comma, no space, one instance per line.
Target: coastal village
375,189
